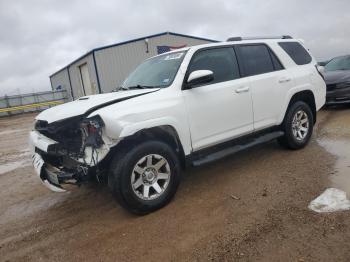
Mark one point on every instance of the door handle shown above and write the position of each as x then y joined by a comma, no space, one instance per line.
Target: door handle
242,89
284,80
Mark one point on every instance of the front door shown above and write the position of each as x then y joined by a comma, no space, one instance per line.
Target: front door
221,109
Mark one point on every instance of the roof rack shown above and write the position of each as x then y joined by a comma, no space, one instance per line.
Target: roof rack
239,38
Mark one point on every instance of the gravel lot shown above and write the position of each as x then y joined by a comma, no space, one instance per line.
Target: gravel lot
250,206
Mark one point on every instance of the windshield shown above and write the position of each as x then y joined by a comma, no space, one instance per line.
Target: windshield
158,71
338,63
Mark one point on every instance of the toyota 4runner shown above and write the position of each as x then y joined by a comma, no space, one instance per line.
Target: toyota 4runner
183,108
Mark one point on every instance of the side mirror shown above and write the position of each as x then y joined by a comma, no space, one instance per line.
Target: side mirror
320,69
199,77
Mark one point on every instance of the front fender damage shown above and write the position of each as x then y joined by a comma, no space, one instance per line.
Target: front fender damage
75,151
81,143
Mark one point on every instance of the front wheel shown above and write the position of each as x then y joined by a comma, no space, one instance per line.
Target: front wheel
297,126
145,178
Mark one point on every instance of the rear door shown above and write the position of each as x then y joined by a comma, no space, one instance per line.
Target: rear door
221,109
268,80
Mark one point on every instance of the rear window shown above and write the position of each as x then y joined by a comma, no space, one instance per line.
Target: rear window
256,59
297,52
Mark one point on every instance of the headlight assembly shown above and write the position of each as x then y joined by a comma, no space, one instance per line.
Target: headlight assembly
92,131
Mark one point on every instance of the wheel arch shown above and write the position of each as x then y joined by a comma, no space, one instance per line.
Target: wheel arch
306,96
164,133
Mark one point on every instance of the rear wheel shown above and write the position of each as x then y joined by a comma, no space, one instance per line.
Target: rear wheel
145,178
297,126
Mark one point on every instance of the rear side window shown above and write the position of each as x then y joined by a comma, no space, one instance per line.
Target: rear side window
256,59
222,61
276,63
297,52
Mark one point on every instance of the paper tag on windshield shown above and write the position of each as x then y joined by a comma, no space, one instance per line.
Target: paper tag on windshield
173,56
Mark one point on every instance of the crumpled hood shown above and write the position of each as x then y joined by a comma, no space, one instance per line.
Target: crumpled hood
86,104
339,76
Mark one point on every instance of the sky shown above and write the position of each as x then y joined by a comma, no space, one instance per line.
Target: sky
38,37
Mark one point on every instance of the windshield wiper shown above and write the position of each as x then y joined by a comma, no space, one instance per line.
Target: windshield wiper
118,89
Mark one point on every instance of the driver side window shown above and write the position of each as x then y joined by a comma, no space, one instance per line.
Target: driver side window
221,61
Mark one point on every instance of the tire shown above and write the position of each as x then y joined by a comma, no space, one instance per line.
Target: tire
140,165
301,114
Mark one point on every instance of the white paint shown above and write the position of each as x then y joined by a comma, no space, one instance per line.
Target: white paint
52,187
40,141
216,113
209,114
202,116
80,106
38,163
198,74
331,200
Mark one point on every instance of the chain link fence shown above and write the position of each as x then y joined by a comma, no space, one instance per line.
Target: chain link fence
18,104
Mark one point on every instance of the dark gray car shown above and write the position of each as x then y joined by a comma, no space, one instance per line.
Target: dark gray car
337,77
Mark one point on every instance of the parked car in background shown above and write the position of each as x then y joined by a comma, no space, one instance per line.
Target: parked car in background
337,77
183,108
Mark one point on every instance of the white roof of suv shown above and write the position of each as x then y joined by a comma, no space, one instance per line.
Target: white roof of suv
239,40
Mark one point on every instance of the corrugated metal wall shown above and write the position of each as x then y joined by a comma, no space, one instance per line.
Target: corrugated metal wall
76,79
115,63
61,79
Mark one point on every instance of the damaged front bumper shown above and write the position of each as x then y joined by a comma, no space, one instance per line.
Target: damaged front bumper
50,181
54,176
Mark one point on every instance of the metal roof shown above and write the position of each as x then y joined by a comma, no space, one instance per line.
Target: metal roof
131,41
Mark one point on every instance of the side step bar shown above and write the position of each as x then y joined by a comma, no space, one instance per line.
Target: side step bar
236,148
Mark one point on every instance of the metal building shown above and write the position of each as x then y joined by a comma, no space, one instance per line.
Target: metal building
103,69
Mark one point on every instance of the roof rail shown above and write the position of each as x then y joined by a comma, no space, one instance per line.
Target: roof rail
239,38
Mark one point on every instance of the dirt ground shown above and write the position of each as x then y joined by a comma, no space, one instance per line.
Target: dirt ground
248,207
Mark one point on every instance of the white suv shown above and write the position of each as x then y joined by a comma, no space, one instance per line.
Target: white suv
179,109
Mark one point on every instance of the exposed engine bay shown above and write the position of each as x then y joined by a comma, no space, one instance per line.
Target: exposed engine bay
79,149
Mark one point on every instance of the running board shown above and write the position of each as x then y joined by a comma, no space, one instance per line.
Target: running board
236,148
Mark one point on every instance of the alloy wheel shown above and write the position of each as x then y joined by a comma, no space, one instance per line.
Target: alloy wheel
300,125
150,177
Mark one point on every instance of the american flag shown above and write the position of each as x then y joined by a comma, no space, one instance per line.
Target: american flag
165,48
